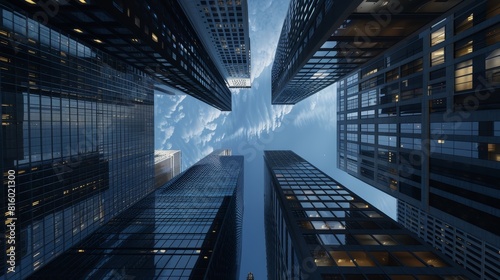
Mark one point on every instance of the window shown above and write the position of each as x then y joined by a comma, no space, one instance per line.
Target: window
352,90
387,127
387,140
436,88
369,98
431,259
492,65
352,79
437,57
352,102
368,127
464,47
438,36
464,22
411,67
411,143
463,75
493,35
392,75
366,138
352,116
352,127
415,128
368,114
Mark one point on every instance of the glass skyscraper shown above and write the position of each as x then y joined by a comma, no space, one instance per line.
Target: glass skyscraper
323,40
155,37
318,229
223,28
77,137
421,123
189,228
167,166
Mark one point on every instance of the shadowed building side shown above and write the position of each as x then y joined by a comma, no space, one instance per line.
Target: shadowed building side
323,40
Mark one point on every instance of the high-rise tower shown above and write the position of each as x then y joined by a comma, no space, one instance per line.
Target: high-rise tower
167,166
189,228
153,36
223,28
77,141
421,123
318,229
323,40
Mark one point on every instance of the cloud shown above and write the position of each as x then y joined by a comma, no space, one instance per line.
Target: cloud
264,33
317,109
197,129
168,132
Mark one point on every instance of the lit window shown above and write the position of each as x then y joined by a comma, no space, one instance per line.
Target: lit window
464,23
154,37
463,76
341,258
464,48
437,36
437,57
430,259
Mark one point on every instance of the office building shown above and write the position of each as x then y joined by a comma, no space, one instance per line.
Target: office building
323,40
77,134
153,36
223,28
318,229
477,255
189,228
420,122
167,166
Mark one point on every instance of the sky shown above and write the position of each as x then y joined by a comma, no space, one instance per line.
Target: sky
307,128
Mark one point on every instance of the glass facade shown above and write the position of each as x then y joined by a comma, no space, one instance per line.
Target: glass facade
322,41
432,140
189,228
318,229
478,256
77,135
223,28
153,36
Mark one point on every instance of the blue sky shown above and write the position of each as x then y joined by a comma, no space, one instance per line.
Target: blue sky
308,128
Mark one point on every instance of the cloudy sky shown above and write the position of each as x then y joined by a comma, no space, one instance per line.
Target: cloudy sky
308,128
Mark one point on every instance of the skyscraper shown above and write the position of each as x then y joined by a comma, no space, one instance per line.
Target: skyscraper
323,40
420,122
318,229
153,36
77,141
223,28
189,228
167,166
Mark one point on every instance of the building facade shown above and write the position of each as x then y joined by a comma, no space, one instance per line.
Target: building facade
420,122
477,255
323,40
167,166
223,28
190,228
318,229
153,36
77,141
